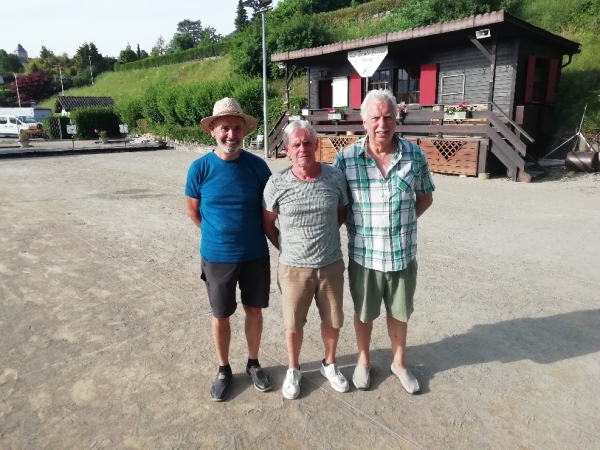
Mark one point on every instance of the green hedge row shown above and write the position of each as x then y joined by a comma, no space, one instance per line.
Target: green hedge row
183,134
185,105
204,51
88,120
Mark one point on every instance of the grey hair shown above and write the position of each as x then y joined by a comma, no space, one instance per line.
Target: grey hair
298,125
378,95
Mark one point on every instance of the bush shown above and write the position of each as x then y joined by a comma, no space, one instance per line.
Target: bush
52,131
130,111
183,134
204,51
96,118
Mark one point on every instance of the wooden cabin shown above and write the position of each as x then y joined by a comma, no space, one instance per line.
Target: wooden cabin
504,67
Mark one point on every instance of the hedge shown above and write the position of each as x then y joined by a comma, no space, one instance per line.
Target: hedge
97,118
175,111
204,51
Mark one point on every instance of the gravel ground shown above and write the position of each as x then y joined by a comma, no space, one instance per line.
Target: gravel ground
105,327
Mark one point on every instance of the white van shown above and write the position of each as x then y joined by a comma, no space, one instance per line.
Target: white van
12,125
37,113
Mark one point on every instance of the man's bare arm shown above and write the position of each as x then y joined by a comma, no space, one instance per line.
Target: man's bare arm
193,208
424,201
342,213
269,227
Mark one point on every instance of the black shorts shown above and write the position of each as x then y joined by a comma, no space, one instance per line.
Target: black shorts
253,277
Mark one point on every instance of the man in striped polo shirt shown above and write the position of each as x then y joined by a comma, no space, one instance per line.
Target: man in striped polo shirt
390,187
309,200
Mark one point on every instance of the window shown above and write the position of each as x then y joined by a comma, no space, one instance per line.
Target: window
3,121
408,87
12,120
380,80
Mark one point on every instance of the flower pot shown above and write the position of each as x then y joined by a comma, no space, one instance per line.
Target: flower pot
461,115
335,116
448,116
400,116
104,140
23,144
293,118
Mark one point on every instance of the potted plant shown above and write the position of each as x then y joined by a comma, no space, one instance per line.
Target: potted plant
24,139
460,112
336,114
402,111
103,136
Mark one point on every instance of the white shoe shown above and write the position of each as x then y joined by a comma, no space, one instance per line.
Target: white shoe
291,385
335,377
407,379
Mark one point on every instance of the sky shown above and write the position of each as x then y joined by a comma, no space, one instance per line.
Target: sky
63,25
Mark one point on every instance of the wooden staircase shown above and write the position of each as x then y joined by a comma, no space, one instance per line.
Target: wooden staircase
511,150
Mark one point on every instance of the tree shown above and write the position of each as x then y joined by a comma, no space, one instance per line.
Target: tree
127,55
9,63
209,35
182,42
138,52
160,47
34,87
241,18
192,28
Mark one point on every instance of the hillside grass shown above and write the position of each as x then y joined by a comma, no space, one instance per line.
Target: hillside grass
127,84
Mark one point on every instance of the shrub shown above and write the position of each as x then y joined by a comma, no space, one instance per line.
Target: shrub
150,104
184,134
204,51
52,130
130,111
96,118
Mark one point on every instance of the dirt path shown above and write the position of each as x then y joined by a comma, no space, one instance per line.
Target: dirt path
105,328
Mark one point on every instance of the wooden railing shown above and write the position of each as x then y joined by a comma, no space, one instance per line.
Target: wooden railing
507,146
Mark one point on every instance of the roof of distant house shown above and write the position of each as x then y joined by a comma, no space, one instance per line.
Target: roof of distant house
69,103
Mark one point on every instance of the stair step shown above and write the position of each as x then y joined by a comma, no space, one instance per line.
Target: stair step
535,173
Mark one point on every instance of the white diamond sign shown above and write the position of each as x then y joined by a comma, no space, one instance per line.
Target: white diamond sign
367,60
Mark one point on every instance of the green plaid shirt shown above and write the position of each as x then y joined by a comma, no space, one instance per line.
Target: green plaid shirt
382,218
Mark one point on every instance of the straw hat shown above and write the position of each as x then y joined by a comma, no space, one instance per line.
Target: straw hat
228,107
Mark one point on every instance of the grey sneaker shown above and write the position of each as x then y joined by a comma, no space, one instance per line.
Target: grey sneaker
335,377
362,377
407,379
291,385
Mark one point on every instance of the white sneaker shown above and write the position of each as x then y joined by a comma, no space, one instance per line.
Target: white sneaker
291,385
335,377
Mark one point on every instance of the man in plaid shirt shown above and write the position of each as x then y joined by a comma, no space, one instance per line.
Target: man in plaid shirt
389,186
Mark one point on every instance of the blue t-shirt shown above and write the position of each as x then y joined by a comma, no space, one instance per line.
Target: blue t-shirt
230,194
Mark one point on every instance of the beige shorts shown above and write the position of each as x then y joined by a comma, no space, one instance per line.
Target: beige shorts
299,285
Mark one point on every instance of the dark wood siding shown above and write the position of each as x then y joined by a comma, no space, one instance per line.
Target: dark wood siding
464,59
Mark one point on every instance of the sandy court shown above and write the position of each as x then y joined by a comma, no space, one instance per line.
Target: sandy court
105,327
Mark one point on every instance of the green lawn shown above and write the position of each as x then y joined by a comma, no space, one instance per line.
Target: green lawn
121,85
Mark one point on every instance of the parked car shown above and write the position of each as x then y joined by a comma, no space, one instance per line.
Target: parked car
12,126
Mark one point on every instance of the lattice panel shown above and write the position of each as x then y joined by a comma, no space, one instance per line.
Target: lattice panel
340,142
448,148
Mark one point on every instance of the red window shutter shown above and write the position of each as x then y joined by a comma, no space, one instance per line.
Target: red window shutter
429,84
529,79
552,78
355,90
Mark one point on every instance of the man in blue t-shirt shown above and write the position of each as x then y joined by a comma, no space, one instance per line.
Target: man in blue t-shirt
224,190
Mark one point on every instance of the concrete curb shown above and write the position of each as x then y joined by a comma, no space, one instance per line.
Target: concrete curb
40,152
